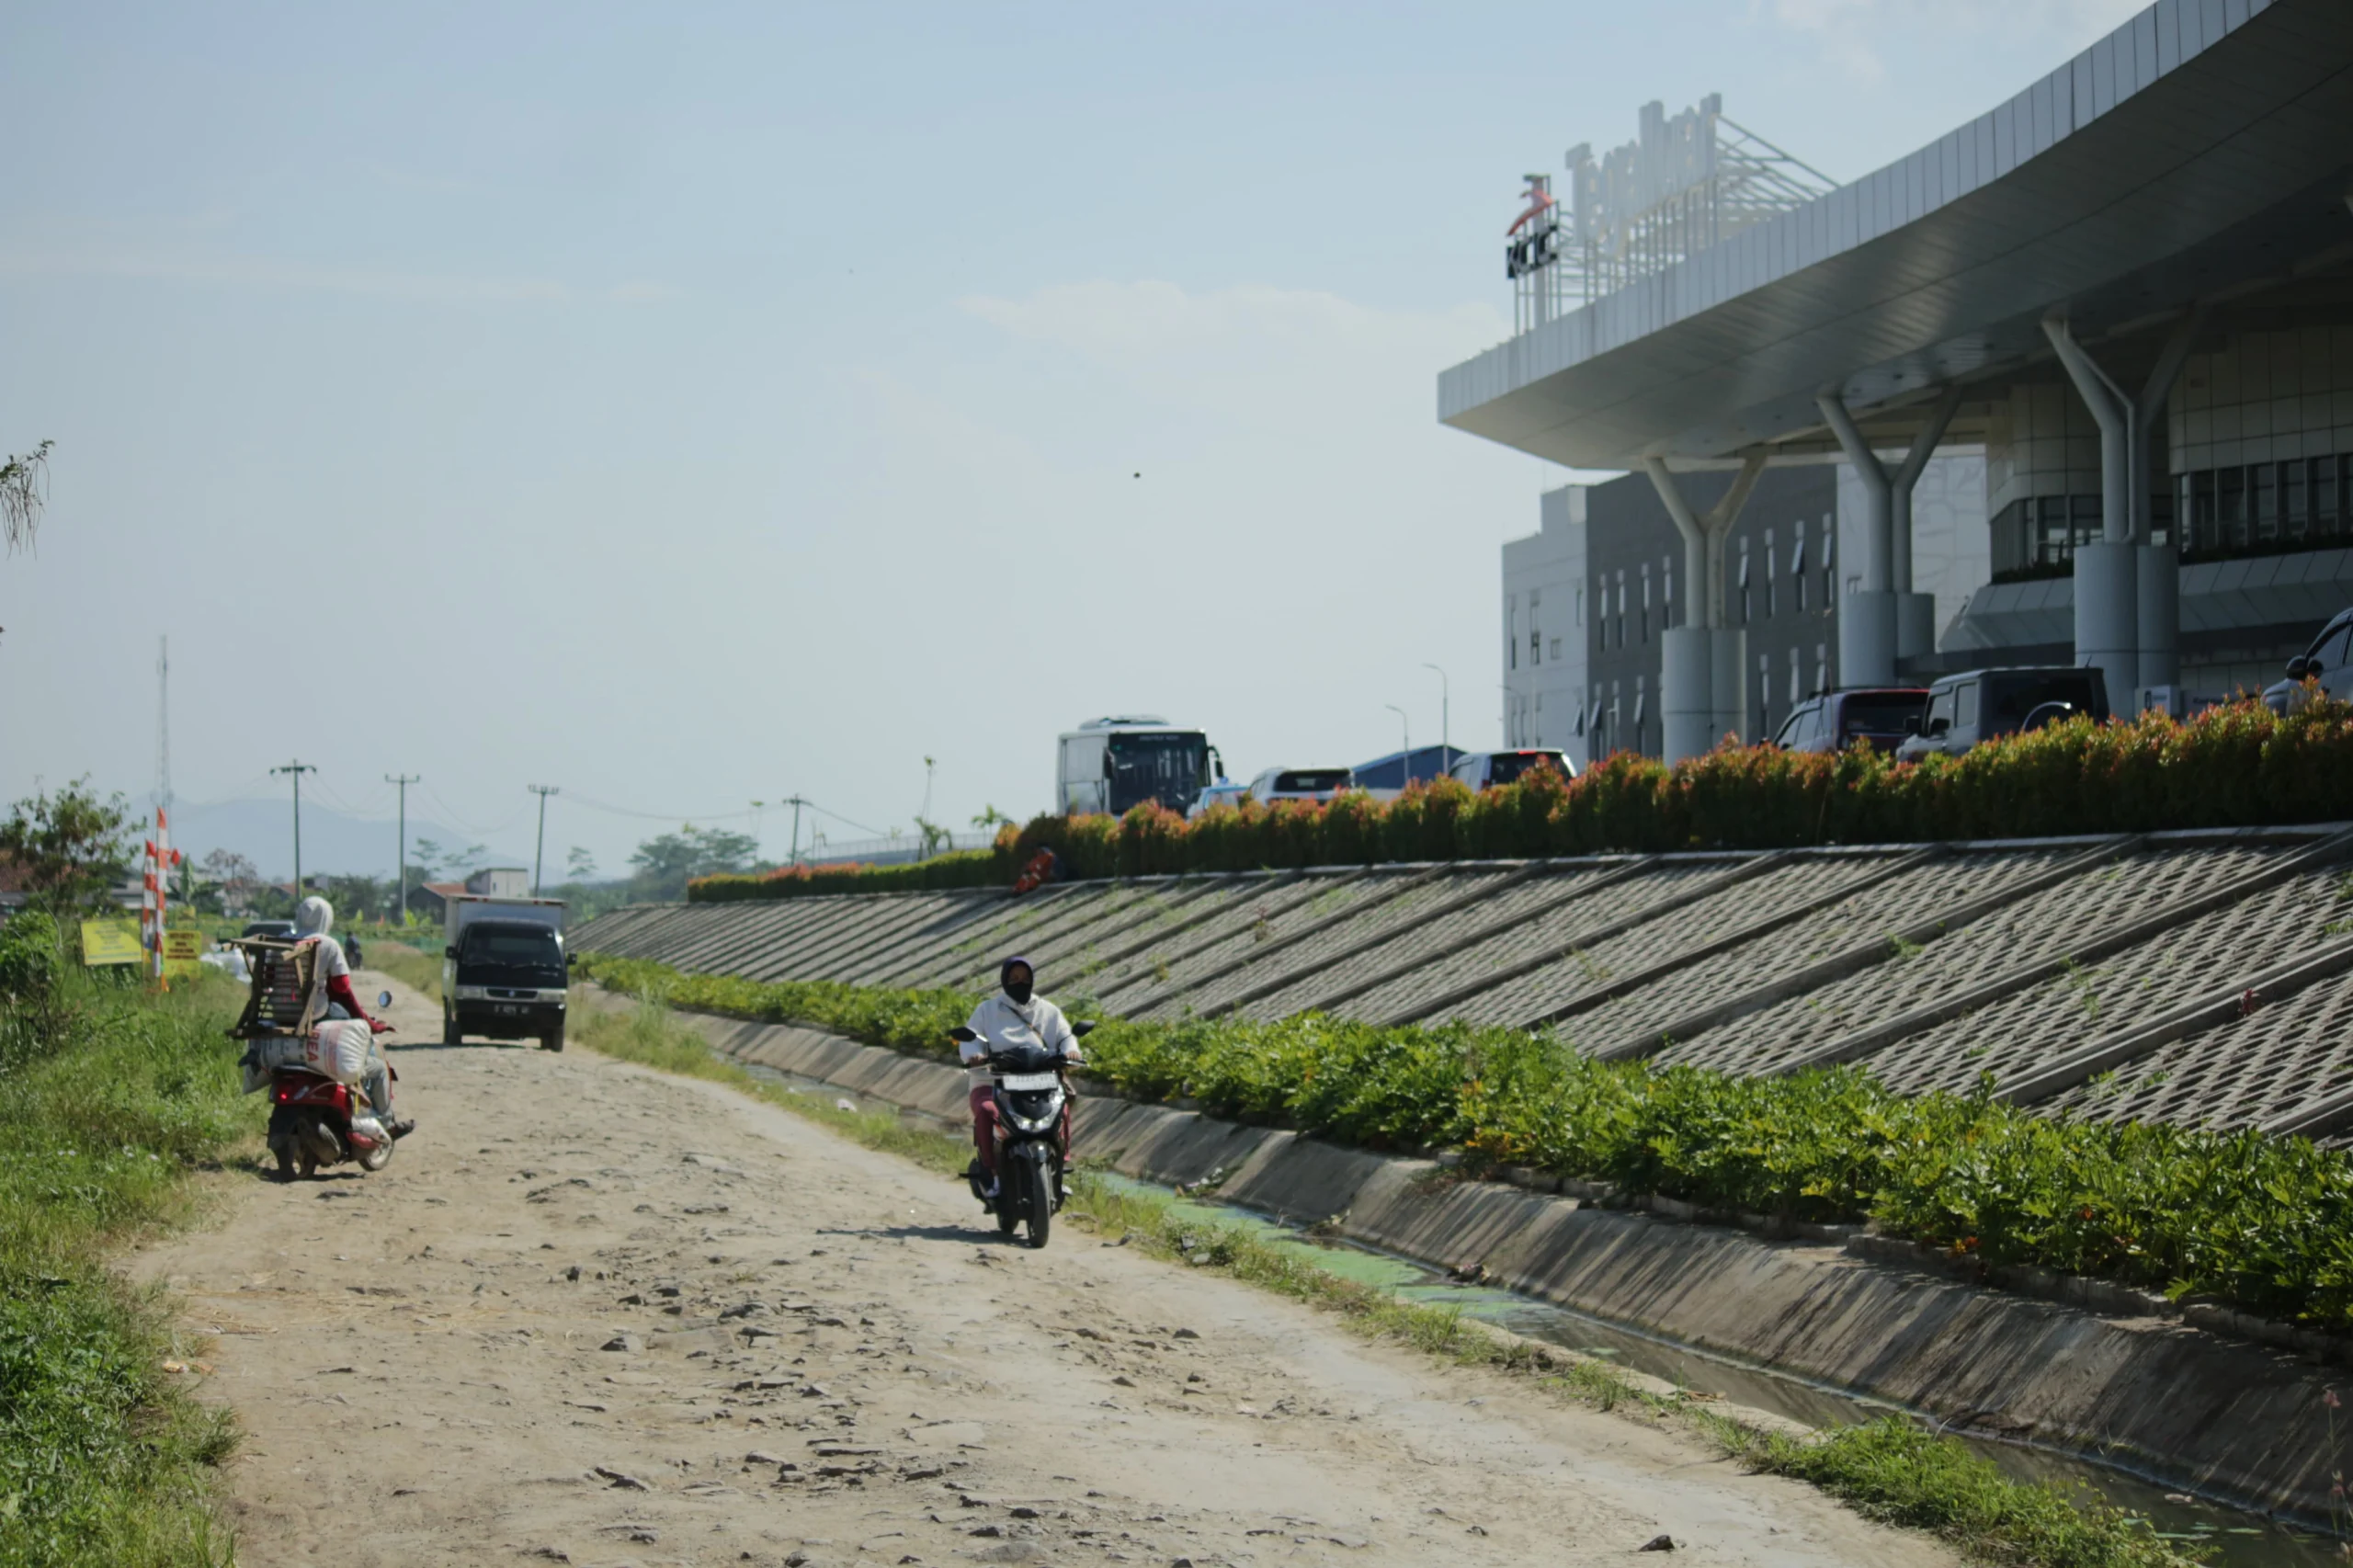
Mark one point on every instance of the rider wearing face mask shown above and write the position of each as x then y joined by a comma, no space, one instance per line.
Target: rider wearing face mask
1016,1015
312,918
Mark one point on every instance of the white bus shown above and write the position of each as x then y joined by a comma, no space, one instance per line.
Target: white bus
1110,765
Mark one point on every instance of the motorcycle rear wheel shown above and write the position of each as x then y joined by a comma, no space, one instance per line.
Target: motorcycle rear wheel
1039,1178
309,1164
282,1151
1006,1217
377,1158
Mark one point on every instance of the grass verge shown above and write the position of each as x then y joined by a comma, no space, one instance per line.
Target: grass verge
1890,1470
414,968
109,1096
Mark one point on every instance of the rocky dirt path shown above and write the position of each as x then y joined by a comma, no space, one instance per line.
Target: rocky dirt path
592,1314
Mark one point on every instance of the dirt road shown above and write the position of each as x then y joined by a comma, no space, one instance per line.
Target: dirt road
598,1316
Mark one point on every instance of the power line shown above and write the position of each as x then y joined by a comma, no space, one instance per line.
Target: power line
658,816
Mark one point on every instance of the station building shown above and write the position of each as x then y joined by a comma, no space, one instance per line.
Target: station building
2073,383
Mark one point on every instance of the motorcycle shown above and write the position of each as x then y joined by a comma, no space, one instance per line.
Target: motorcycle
314,1122
1032,1101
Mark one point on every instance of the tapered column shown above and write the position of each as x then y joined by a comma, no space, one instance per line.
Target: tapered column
1703,696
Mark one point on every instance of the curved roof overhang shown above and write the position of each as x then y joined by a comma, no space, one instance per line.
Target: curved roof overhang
2201,152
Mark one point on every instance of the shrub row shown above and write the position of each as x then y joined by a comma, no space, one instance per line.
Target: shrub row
956,869
2240,765
2266,1223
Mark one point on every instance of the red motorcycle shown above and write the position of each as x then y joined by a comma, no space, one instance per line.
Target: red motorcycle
314,1122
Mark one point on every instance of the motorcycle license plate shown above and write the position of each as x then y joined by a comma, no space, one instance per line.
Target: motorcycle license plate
1019,1081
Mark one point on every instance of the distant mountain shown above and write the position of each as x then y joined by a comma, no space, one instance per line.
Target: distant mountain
263,831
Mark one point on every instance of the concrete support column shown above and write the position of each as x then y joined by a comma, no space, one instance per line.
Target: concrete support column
1884,620
1916,613
2128,608
1703,696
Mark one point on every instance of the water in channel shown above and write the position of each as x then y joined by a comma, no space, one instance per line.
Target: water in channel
2232,1537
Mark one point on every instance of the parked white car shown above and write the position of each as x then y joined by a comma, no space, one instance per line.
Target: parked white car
1484,769
1224,792
1299,784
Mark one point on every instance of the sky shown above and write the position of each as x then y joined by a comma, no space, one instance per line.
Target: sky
695,404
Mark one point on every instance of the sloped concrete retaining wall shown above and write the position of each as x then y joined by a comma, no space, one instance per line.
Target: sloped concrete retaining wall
2190,1408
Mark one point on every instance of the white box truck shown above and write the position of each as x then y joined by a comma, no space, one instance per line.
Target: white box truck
505,974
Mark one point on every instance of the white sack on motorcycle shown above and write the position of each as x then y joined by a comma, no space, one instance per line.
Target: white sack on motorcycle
338,1050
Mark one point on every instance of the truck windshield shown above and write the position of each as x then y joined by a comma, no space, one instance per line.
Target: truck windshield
1171,766
515,950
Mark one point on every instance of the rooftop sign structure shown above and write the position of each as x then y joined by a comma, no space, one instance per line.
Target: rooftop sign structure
1683,185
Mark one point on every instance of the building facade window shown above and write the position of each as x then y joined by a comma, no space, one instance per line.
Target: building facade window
1829,564
2259,508
1744,616
1771,578
1797,571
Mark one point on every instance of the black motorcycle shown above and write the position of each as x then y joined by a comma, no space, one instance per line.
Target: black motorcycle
1030,1095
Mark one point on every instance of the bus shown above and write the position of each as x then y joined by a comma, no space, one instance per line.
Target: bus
1112,764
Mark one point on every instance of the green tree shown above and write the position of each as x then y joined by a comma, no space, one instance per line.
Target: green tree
72,848
990,818
663,864
580,866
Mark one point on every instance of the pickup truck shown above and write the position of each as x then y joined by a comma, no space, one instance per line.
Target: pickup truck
505,974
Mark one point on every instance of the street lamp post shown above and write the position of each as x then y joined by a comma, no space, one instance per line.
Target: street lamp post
1445,717
1405,737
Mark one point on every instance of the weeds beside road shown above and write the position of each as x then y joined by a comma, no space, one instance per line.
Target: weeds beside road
109,1096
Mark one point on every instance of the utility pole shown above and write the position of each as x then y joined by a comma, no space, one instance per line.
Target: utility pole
539,850
297,768
796,802
400,861
1445,717
756,830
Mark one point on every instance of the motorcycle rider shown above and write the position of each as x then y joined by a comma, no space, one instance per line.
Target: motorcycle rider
1015,1016
331,974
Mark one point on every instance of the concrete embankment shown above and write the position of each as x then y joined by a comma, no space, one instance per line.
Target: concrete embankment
2245,1422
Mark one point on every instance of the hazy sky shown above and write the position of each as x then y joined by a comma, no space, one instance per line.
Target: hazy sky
685,405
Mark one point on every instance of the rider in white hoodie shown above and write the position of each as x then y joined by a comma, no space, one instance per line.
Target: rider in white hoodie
1016,1015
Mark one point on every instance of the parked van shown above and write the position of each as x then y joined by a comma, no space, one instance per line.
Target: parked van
1299,784
1885,716
1980,704
1484,769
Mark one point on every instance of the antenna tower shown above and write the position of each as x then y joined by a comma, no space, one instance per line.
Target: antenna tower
163,723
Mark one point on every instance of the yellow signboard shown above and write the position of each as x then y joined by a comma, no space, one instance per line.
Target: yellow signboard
111,941
182,950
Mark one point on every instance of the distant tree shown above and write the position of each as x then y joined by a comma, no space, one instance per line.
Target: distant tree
580,866
24,490
226,881
430,858
72,848
935,838
990,817
357,897
663,864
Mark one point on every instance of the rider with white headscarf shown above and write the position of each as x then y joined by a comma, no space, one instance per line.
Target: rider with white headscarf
332,998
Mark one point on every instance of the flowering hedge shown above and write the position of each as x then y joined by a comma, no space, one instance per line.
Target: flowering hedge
2240,765
2259,1222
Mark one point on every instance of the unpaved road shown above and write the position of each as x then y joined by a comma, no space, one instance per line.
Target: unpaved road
825,1359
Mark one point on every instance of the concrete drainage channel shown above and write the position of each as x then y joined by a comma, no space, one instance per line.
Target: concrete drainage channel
2138,1408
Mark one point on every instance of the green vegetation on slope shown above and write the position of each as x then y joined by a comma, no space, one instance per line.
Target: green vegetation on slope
2240,765
108,1097
2266,1223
